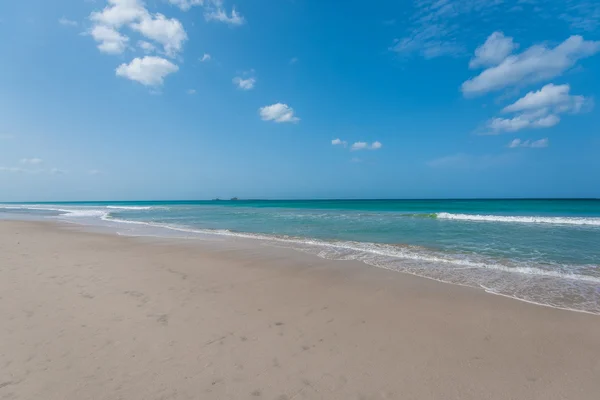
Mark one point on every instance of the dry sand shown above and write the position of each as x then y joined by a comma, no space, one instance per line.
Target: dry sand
94,316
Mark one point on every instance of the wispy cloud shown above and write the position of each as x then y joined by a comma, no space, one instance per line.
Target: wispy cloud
278,112
339,142
244,84
31,161
495,50
11,169
94,172
537,63
366,146
220,15
191,91
67,22
463,160
205,57
445,27
293,60
535,144
434,29
147,47
185,5
57,171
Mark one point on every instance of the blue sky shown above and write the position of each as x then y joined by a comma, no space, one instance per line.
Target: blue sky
189,99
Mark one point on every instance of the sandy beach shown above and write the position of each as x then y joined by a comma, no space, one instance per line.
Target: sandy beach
99,316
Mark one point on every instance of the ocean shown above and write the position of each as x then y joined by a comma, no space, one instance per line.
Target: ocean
541,251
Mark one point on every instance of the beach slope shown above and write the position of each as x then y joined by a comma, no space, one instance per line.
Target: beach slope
98,316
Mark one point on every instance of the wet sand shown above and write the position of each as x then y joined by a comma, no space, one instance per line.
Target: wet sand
98,316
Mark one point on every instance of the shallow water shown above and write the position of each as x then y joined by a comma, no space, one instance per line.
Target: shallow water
542,251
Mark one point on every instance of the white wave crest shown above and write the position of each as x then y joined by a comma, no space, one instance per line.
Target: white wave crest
591,221
413,253
130,207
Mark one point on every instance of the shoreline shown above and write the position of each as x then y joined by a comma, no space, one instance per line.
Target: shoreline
89,315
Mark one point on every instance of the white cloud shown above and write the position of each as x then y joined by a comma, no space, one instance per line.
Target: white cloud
110,40
536,144
495,49
191,91
359,146
339,142
244,84
206,57
57,171
376,145
120,12
220,15
554,96
94,172
366,146
31,161
538,63
67,22
293,60
185,5
539,109
278,112
167,31
149,71
537,119
146,46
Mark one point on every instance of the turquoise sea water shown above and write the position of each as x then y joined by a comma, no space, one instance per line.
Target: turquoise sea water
542,251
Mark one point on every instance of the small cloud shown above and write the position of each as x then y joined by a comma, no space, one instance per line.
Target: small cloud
293,60
206,57
366,146
56,171
220,15
536,144
191,91
278,112
31,161
355,160
11,169
67,22
244,84
146,46
94,172
149,71
376,145
339,142
359,146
